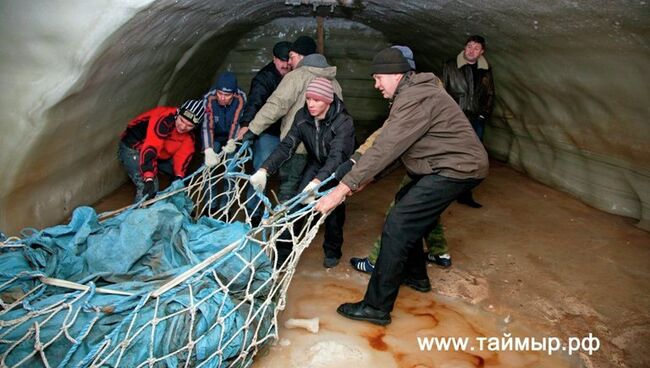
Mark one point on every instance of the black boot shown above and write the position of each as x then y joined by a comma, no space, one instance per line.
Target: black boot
361,311
423,286
467,199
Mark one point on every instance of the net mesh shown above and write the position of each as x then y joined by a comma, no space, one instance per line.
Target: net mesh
212,305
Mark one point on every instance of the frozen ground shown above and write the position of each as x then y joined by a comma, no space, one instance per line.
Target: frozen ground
532,262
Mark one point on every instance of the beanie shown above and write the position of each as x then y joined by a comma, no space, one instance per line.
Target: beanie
192,110
389,61
226,82
281,50
303,45
320,89
408,54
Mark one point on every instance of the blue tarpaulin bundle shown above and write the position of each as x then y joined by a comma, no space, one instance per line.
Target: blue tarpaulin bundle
202,320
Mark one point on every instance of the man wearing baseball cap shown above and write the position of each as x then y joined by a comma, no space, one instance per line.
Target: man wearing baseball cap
326,129
430,135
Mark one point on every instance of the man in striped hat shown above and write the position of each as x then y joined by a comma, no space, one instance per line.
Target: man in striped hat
159,140
326,129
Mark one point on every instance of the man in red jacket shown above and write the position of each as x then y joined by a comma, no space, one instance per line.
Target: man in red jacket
159,139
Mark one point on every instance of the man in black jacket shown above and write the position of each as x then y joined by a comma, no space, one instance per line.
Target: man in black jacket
468,79
262,86
327,131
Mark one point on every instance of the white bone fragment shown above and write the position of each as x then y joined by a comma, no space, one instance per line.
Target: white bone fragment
310,325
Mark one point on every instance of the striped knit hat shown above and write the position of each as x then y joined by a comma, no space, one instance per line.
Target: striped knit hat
192,110
320,89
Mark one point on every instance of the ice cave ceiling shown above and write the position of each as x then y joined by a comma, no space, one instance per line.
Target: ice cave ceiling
571,79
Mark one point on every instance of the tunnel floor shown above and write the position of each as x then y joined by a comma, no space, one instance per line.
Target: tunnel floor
532,262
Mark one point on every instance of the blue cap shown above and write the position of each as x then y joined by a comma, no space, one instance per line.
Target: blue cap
408,54
226,82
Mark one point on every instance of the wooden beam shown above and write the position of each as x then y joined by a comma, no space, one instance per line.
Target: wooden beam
320,35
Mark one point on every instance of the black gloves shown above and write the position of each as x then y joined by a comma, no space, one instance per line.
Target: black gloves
346,166
249,136
149,189
343,169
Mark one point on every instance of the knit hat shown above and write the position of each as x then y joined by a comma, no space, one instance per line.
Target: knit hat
192,110
408,54
281,50
320,89
226,82
389,61
303,45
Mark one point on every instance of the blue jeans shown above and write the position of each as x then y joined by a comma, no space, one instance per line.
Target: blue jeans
130,159
479,127
262,149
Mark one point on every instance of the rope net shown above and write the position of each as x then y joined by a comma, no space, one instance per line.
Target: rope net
182,280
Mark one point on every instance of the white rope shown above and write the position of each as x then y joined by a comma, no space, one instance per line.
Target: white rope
244,299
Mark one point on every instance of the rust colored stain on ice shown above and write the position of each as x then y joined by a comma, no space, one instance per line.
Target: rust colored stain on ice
478,361
423,311
376,340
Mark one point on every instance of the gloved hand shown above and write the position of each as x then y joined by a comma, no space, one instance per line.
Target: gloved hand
258,180
310,189
343,169
211,158
149,190
249,136
230,146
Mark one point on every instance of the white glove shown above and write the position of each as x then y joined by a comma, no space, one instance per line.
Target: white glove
230,147
309,189
258,180
211,158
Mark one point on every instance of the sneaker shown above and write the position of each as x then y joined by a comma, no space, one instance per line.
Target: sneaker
442,260
362,264
330,262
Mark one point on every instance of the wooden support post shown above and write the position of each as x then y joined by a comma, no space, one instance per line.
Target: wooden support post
320,35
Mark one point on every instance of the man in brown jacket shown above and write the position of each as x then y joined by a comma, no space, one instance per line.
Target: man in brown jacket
429,133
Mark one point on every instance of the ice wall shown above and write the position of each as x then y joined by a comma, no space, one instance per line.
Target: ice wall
570,78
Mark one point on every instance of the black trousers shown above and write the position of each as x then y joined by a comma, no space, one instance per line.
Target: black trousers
333,237
417,209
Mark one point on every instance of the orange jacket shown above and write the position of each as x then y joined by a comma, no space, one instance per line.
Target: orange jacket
154,134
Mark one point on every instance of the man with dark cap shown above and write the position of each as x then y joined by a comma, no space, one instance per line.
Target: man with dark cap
159,140
468,79
224,104
431,136
435,240
301,47
286,100
262,86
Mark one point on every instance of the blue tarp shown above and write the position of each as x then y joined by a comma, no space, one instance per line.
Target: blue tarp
136,251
